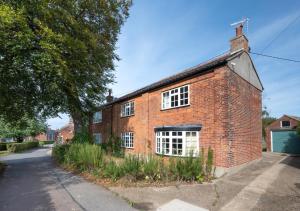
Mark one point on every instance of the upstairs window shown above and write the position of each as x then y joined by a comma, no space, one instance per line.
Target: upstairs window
176,97
127,109
127,139
97,117
285,124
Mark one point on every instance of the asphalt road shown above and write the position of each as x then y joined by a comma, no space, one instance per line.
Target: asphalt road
32,182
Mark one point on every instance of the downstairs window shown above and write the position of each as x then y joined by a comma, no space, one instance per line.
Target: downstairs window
177,143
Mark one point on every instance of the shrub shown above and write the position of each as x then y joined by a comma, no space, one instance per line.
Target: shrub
3,146
82,137
132,166
84,156
187,169
209,162
112,170
59,151
153,168
113,146
19,147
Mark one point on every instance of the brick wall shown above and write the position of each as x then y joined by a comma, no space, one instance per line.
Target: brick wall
227,107
276,126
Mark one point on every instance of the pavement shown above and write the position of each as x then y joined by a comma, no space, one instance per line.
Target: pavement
272,183
32,182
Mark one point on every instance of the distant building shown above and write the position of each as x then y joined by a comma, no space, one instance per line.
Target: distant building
66,133
50,135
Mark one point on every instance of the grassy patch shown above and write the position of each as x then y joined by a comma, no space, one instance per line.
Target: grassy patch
42,143
4,153
92,159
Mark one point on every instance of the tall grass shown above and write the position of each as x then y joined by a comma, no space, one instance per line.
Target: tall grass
92,158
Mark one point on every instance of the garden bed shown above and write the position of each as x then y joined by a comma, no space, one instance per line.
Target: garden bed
95,164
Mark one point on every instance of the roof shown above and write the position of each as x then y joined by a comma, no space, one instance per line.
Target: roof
294,117
198,69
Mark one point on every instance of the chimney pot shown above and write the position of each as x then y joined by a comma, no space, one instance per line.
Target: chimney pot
239,41
109,98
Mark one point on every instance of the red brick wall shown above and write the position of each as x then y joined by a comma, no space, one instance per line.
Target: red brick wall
276,126
227,107
41,137
67,133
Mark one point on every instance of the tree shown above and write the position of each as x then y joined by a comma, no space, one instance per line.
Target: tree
22,128
57,56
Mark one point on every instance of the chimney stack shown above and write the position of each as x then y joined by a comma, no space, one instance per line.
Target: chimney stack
109,98
240,41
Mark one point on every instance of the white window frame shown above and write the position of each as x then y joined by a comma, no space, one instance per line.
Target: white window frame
285,121
127,139
98,120
100,138
166,101
127,109
162,136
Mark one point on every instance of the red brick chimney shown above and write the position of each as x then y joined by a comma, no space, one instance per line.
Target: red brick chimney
109,98
240,41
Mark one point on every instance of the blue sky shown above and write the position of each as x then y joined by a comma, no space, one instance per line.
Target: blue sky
161,38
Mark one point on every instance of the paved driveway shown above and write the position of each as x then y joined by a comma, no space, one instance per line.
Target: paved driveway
32,182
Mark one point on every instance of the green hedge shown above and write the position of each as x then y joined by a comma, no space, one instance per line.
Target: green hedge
19,147
3,146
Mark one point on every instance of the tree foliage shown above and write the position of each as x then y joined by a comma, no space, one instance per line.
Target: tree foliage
22,128
57,55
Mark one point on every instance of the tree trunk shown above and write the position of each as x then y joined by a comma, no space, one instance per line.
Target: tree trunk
79,122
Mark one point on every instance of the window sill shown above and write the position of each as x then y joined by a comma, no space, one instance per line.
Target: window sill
128,147
166,109
97,122
181,156
127,116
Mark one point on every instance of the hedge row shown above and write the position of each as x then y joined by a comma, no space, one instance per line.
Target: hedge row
19,147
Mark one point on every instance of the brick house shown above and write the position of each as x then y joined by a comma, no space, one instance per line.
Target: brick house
49,135
215,104
281,135
66,133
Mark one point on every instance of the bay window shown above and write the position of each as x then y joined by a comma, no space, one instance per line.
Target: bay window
177,143
175,97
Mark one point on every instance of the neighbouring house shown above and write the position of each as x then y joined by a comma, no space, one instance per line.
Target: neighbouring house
281,135
66,133
215,104
49,135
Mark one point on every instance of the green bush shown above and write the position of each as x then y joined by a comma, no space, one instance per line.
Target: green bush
113,146
3,146
84,156
132,166
209,162
59,151
19,147
153,168
112,170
